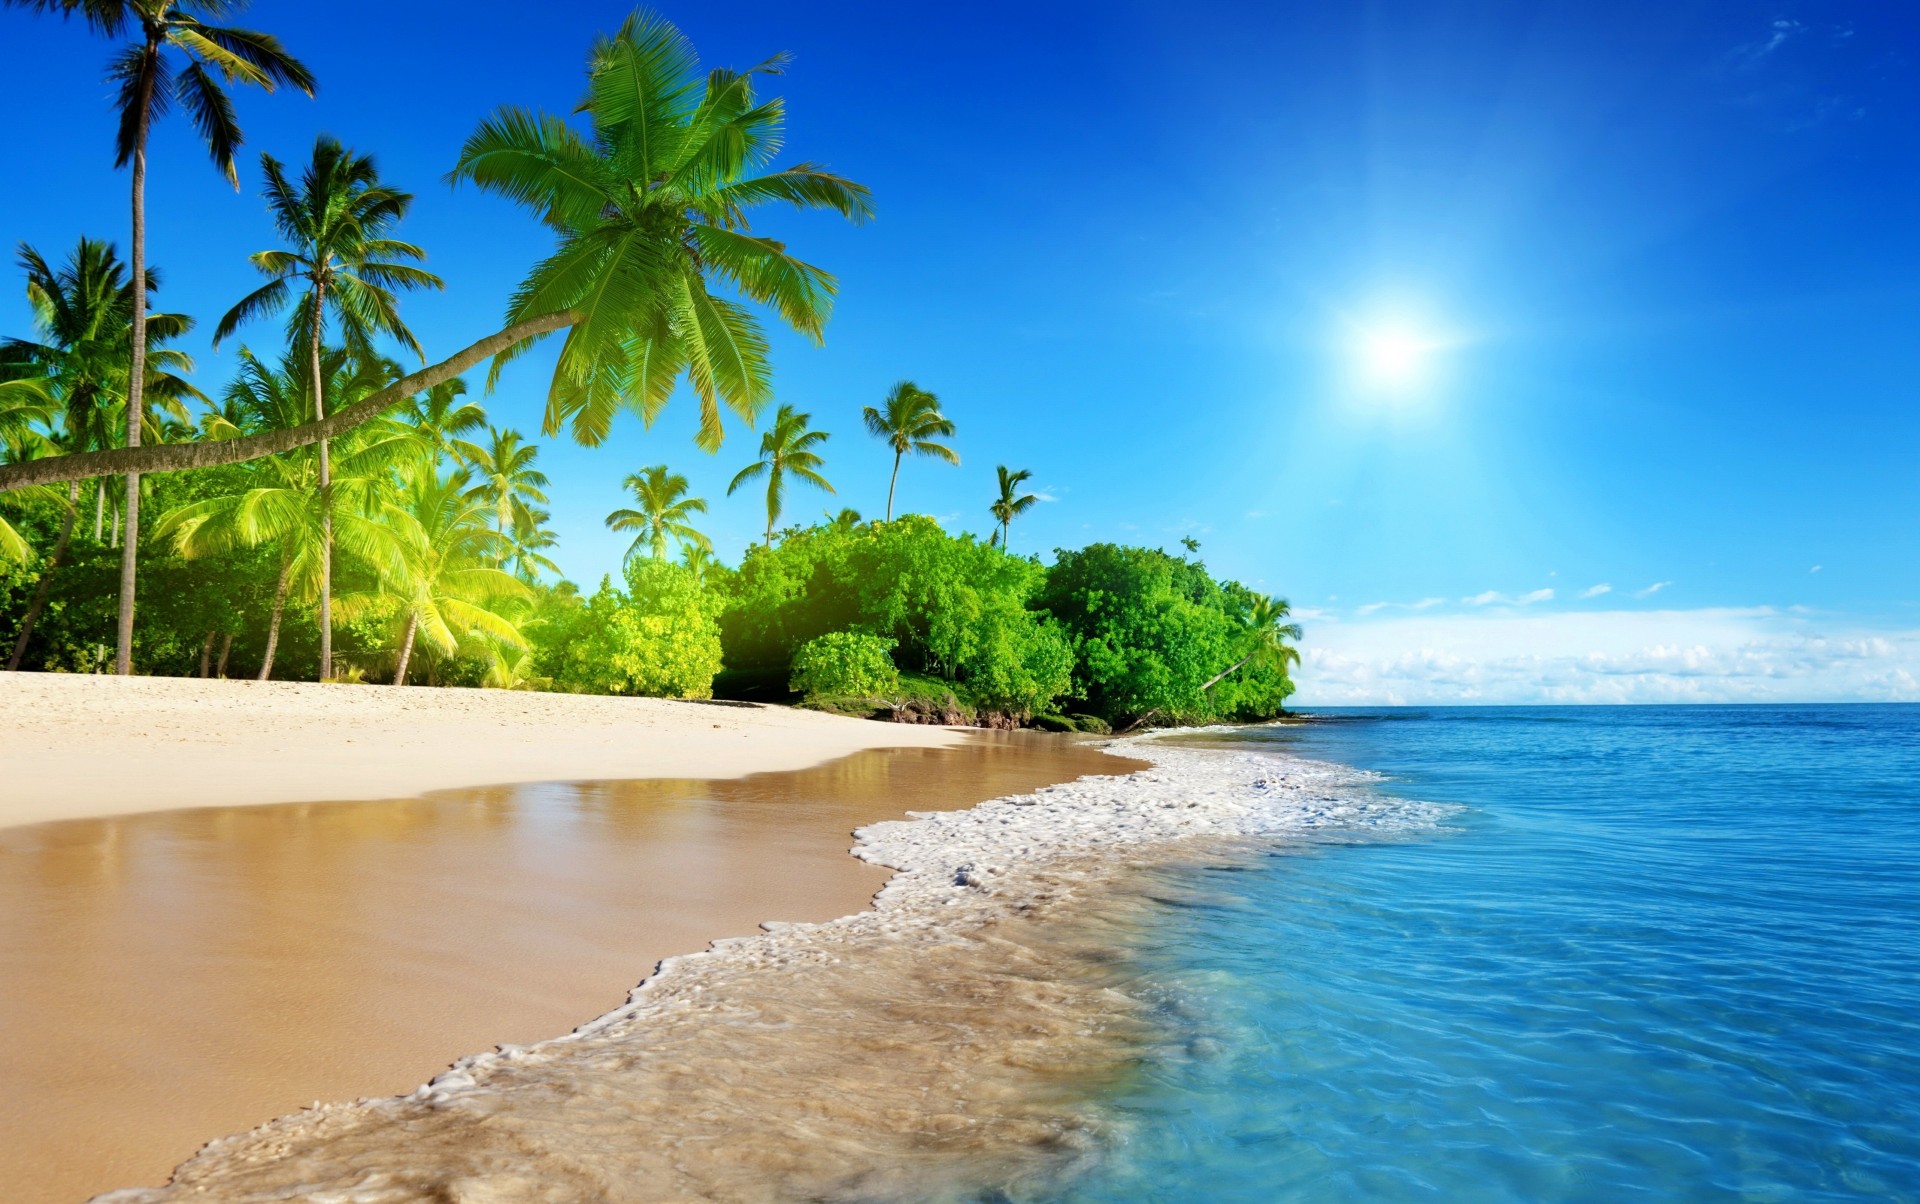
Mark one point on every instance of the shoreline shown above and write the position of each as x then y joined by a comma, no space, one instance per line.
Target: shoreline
72,743
929,984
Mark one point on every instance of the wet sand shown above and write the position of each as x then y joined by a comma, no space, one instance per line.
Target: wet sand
174,976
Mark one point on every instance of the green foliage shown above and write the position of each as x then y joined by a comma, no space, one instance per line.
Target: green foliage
845,664
1150,631
657,638
956,609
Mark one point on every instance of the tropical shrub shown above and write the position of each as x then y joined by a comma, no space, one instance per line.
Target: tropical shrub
845,664
657,638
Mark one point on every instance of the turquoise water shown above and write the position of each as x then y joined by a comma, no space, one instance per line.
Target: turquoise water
1658,954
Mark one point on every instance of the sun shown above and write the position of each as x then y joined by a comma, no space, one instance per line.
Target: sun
1395,357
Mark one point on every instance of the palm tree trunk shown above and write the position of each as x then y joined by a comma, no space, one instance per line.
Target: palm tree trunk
326,491
99,511
406,648
891,483
273,626
226,646
206,654
137,377
1219,677
211,453
46,578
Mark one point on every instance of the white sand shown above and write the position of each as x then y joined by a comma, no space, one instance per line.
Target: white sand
74,746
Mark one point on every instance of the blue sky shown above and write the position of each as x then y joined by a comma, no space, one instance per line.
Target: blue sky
1668,253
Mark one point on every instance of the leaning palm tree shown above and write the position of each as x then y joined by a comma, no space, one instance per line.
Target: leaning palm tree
336,224
1264,632
1011,504
169,59
505,480
663,513
911,422
279,503
451,587
786,448
651,209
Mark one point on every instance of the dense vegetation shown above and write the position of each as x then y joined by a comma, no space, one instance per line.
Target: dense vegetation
328,514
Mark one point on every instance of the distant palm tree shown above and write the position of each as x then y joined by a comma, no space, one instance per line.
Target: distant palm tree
530,538
1264,631
440,419
846,520
451,587
699,559
505,480
911,422
786,448
279,505
649,208
663,513
1011,504
149,79
336,224
83,327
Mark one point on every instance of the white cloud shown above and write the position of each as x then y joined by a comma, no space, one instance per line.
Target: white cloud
1425,603
1755,654
1814,569
1369,608
1485,599
1651,590
1539,595
1494,597
1594,591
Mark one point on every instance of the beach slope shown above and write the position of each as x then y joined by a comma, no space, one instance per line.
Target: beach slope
78,746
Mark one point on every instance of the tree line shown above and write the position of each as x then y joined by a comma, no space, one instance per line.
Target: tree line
332,494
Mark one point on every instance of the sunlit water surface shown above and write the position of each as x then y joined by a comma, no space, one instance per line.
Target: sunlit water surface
1660,954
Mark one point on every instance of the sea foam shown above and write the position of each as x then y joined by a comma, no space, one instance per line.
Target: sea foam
943,1043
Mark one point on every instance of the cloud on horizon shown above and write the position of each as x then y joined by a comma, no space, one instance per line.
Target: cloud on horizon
1754,654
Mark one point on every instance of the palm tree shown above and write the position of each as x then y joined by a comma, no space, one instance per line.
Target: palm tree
787,448
336,223
530,538
651,207
663,513
149,79
505,480
911,422
846,520
280,505
1264,630
450,582
83,327
26,409
1010,504
439,418
699,559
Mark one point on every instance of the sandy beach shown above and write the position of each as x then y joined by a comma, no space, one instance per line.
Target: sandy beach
76,746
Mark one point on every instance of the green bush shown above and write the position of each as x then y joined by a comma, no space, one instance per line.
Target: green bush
845,664
659,638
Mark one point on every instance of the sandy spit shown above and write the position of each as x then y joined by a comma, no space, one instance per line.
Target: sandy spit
78,746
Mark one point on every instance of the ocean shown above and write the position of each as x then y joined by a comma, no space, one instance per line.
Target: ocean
1651,953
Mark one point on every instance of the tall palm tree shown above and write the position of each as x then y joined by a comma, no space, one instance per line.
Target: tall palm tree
451,586
168,58
336,225
1264,632
651,209
505,480
1011,504
440,418
280,503
531,537
663,513
911,422
83,331
786,448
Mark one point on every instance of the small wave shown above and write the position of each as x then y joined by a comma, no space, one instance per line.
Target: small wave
940,1046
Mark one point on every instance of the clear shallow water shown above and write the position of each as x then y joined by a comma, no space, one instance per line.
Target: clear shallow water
1660,954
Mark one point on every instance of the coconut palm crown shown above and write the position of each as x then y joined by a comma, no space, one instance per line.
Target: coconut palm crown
911,422
1011,503
786,448
663,514
651,209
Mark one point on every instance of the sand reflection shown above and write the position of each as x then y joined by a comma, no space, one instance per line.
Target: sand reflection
173,976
